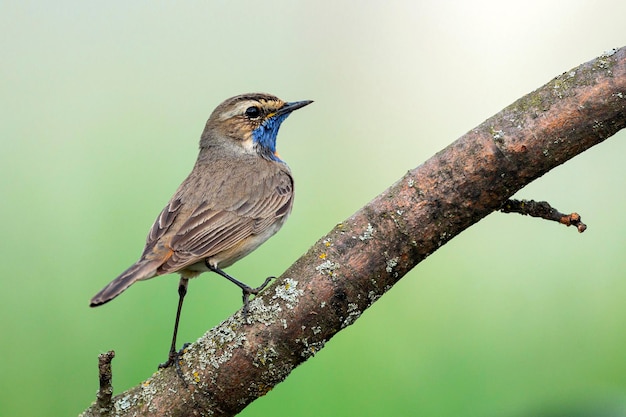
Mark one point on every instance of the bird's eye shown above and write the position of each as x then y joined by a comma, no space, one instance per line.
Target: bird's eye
253,112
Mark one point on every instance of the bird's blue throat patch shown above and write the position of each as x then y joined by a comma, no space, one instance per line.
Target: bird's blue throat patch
264,136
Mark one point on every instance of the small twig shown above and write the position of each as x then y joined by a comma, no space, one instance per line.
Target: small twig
105,393
543,210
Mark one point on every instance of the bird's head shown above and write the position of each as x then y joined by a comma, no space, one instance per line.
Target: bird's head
250,121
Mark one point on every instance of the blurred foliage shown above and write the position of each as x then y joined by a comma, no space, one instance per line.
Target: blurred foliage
103,106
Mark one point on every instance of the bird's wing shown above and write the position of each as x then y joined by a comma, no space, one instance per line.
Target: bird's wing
194,230
163,222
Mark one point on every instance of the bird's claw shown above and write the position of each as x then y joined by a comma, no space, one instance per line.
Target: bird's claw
174,359
248,291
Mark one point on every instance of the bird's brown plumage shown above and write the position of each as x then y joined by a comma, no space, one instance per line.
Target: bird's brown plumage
233,200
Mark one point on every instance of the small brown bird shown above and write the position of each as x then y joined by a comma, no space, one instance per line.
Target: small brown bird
237,196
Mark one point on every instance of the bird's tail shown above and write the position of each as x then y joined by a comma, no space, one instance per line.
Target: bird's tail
139,271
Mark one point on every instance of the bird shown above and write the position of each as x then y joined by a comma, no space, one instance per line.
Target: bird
238,194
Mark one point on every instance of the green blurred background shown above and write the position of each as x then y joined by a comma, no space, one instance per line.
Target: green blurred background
102,108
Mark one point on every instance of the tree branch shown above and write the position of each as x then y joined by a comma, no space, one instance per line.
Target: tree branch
105,392
347,270
543,210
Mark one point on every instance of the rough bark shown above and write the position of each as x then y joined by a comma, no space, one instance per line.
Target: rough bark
348,269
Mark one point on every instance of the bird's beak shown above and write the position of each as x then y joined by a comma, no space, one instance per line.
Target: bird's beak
294,105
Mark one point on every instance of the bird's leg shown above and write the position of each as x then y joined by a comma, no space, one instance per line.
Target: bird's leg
173,355
247,290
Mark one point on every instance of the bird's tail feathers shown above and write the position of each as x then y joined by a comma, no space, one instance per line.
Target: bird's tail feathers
139,271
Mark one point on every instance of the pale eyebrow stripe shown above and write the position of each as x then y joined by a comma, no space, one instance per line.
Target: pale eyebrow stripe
238,110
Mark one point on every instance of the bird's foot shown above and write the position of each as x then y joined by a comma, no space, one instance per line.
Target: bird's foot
248,291
174,359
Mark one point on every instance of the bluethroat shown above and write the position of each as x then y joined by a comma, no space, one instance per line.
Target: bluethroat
238,194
